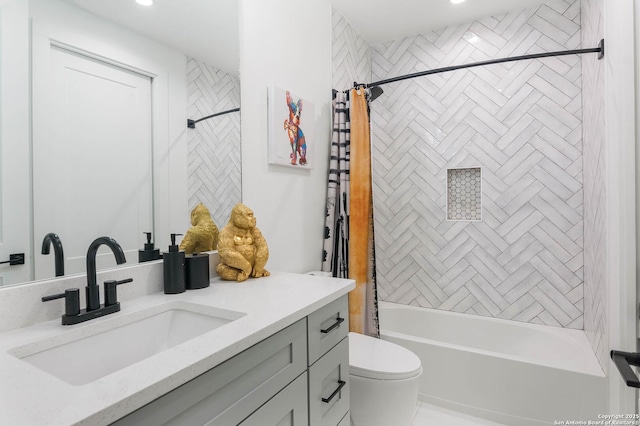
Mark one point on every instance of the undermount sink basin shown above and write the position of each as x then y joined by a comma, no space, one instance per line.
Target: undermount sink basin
88,354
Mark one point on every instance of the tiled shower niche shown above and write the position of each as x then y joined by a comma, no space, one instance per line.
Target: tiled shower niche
464,194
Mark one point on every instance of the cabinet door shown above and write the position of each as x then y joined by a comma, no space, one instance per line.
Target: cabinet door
329,387
287,408
228,393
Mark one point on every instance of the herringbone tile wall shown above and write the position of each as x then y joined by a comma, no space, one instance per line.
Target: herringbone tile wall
522,123
214,145
595,291
351,54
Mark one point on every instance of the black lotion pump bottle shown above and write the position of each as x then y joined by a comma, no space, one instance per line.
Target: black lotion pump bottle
174,269
149,252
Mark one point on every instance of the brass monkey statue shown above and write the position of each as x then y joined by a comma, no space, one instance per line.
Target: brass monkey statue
242,248
203,236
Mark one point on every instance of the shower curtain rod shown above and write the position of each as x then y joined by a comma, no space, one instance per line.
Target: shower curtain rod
599,50
192,123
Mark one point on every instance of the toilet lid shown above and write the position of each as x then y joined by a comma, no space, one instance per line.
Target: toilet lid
378,359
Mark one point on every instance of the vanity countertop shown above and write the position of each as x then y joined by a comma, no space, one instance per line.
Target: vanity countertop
29,396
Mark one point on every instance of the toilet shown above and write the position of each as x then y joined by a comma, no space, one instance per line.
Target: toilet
383,380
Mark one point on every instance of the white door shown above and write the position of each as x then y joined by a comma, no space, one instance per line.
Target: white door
15,229
92,156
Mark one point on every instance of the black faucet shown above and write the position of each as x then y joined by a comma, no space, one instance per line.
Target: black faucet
49,240
73,314
93,291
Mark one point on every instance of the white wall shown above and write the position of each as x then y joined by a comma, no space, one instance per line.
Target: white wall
286,44
620,140
15,201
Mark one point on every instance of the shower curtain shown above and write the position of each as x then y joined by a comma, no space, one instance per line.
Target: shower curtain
349,244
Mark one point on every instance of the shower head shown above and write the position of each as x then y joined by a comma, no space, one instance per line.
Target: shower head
375,92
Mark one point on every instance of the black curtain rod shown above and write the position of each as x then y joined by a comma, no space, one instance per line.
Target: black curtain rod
599,50
192,123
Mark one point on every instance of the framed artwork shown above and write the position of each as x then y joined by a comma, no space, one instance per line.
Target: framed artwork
291,129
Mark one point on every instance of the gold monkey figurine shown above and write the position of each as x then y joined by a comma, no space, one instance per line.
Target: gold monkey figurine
203,236
242,248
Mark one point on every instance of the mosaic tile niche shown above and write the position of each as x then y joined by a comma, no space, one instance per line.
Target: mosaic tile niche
464,194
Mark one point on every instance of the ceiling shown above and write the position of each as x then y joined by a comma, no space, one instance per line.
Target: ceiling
208,29
203,29
383,20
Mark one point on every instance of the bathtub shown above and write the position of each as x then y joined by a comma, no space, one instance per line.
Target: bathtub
509,372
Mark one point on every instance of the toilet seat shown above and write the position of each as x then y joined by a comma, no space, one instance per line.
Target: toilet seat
378,359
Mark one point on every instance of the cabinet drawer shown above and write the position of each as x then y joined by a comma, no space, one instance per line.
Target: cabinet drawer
328,398
287,408
226,394
327,327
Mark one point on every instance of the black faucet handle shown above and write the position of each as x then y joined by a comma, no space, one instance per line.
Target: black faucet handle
110,293
71,301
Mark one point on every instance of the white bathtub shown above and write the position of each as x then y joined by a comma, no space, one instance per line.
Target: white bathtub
509,372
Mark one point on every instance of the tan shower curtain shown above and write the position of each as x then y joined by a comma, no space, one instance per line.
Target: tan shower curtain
349,243
361,242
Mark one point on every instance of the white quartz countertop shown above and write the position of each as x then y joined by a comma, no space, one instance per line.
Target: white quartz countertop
30,396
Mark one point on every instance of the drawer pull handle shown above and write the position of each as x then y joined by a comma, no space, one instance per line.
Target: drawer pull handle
336,324
341,384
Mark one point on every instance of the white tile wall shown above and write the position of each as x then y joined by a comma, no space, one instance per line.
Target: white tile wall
214,145
522,122
351,54
595,297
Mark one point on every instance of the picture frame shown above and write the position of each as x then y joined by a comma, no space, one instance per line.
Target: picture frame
291,129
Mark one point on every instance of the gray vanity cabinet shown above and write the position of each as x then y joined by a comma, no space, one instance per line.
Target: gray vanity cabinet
279,381
228,393
287,408
328,328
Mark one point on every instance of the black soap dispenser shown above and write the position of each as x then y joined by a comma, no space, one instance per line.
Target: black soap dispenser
149,252
174,269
